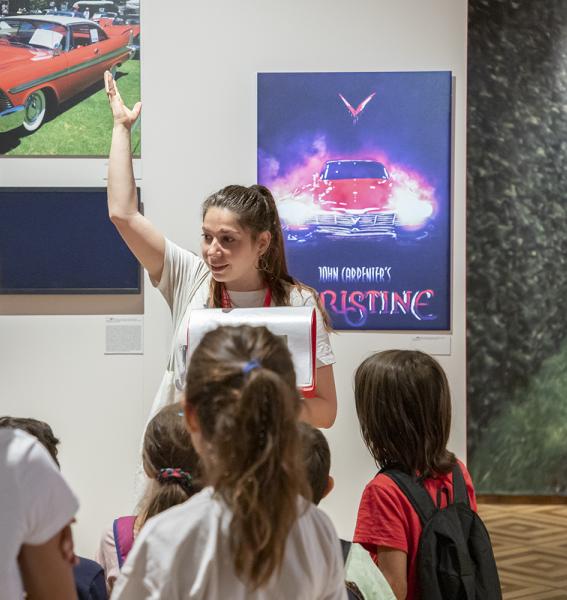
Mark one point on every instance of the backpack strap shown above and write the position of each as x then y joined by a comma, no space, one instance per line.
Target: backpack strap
460,493
416,494
123,529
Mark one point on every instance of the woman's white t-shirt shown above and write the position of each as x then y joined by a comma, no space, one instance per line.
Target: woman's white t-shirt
182,272
36,503
183,553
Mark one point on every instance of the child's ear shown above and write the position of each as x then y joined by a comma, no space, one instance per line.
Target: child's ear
191,420
194,428
329,488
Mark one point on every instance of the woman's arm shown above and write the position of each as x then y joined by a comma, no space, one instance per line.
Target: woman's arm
143,239
393,564
321,410
46,570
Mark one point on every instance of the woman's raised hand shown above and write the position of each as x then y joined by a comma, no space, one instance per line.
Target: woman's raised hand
121,113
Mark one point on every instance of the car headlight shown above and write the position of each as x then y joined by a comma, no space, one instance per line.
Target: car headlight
412,211
295,213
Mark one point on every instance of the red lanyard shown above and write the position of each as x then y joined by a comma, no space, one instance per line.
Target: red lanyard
227,303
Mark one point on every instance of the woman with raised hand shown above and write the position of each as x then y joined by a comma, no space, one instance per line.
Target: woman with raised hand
242,262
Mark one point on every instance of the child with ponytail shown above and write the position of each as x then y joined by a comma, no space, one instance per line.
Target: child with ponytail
173,466
250,534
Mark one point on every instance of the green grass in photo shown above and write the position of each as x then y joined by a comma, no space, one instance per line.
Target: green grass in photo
82,126
524,449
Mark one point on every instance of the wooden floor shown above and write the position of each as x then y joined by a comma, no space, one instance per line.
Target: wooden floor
530,545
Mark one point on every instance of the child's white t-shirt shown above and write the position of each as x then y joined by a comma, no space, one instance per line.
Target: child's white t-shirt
36,503
183,553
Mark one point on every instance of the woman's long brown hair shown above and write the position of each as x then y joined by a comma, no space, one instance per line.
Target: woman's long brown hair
404,409
256,211
247,413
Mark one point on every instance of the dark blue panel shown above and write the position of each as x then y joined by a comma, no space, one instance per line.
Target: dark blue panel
61,241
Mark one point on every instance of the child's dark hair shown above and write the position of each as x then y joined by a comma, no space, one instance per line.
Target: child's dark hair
170,461
404,408
255,208
241,386
317,460
39,429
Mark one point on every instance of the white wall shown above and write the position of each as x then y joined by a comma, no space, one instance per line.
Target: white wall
199,133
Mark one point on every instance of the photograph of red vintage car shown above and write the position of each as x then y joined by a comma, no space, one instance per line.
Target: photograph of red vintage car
49,63
354,198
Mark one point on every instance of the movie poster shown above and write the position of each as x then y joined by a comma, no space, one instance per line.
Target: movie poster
360,165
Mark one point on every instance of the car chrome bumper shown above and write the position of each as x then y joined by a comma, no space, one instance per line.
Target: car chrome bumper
11,118
352,233
381,224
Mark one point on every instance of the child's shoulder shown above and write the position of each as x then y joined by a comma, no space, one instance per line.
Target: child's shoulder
381,481
182,518
382,487
316,526
382,498
382,484
312,516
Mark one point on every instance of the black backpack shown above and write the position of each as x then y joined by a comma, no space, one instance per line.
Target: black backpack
455,559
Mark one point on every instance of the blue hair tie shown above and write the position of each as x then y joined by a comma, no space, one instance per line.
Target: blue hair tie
250,366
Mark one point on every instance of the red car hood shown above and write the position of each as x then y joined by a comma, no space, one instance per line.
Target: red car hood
11,57
355,194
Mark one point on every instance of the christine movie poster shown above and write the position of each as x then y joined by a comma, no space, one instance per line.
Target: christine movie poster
360,165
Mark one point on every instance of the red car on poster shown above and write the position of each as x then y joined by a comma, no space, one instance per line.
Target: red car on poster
353,198
45,60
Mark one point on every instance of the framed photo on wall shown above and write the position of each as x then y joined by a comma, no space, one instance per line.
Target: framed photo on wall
52,97
360,166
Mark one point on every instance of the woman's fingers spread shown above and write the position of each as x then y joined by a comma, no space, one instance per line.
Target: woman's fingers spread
119,110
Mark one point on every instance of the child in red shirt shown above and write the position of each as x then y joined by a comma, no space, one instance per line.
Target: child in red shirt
404,408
